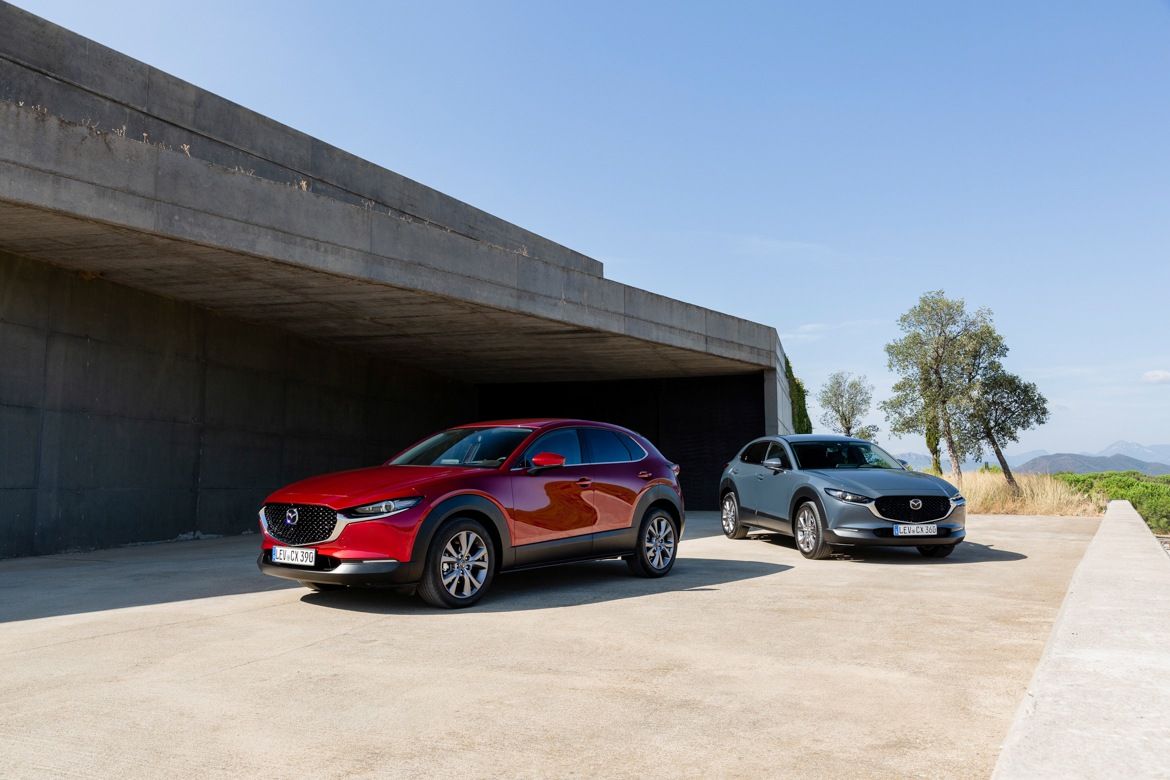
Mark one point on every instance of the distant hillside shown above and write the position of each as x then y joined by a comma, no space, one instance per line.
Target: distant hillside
1153,453
1067,462
921,462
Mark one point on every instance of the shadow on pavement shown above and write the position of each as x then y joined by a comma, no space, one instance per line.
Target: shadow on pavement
968,552
70,584
561,586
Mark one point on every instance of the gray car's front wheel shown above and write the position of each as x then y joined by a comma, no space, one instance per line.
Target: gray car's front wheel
729,515
809,529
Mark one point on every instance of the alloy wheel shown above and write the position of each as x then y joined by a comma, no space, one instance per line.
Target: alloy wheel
659,542
730,514
806,529
464,564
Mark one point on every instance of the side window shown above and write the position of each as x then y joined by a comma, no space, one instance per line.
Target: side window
755,452
637,451
563,441
602,446
777,451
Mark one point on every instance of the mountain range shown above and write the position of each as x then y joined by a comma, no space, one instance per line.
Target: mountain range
1085,464
1118,456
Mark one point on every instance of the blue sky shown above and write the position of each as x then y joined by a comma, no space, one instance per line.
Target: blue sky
815,166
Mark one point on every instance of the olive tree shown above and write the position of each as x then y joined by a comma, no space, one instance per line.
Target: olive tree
846,400
942,347
1001,405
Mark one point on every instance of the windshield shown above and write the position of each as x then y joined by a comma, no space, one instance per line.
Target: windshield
475,447
842,455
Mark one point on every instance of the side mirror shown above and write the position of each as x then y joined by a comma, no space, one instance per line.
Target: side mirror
547,460
775,464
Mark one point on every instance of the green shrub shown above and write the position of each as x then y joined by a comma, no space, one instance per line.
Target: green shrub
1150,496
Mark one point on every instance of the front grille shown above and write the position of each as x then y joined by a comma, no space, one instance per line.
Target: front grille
314,523
898,508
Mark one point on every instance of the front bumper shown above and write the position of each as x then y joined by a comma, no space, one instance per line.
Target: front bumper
375,573
855,524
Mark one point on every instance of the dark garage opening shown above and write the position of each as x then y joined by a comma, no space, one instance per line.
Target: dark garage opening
698,422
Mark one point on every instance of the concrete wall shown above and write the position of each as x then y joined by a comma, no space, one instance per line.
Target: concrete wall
126,417
96,85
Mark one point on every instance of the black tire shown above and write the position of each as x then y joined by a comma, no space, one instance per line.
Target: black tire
657,543
323,587
813,545
938,550
452,566
729,516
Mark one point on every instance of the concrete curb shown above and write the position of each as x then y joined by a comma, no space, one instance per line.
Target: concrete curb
1099,703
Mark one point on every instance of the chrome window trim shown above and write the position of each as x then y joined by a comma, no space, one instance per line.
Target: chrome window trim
579,428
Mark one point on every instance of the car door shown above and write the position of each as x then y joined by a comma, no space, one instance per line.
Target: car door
617,481
747,474
776,489
553,504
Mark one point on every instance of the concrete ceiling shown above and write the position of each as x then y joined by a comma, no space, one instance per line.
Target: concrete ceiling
456,338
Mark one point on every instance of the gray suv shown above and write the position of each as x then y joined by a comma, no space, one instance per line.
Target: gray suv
830,491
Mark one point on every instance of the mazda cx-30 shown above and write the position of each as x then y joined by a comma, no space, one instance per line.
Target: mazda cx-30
449,513
835,491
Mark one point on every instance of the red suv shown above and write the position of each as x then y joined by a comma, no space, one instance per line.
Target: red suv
447,514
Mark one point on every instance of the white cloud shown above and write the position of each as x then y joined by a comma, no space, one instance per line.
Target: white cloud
1158,377
814,331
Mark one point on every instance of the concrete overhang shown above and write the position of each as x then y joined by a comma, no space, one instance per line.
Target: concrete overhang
311,240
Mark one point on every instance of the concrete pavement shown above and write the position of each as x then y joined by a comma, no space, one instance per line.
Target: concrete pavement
747,661
1099,704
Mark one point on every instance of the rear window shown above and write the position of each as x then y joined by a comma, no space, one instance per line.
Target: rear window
754,452
604,446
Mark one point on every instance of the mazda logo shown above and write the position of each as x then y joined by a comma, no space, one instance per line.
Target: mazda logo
915,503
292,515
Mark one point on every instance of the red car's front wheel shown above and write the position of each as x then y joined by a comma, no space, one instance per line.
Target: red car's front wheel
461,564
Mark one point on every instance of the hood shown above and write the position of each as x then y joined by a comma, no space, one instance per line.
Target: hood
343,489
878,482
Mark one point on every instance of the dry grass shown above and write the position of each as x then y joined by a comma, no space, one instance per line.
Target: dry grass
1040,494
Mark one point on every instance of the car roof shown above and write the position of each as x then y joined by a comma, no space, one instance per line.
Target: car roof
540,423
799,437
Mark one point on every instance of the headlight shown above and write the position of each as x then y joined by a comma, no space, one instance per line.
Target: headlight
381,508
958,500
845,495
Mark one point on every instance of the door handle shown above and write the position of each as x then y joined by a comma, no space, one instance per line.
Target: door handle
644,475
760,476
584,482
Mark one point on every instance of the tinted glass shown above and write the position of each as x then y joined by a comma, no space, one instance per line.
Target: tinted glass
561,442
604,446
842,455
637,451
477,447
755,452
777,451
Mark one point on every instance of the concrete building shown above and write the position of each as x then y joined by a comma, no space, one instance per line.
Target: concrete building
198,304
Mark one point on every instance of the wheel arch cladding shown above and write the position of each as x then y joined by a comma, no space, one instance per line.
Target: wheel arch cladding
470,506
660,496
802,494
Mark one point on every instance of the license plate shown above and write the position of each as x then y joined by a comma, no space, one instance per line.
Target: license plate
294,556
916,530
